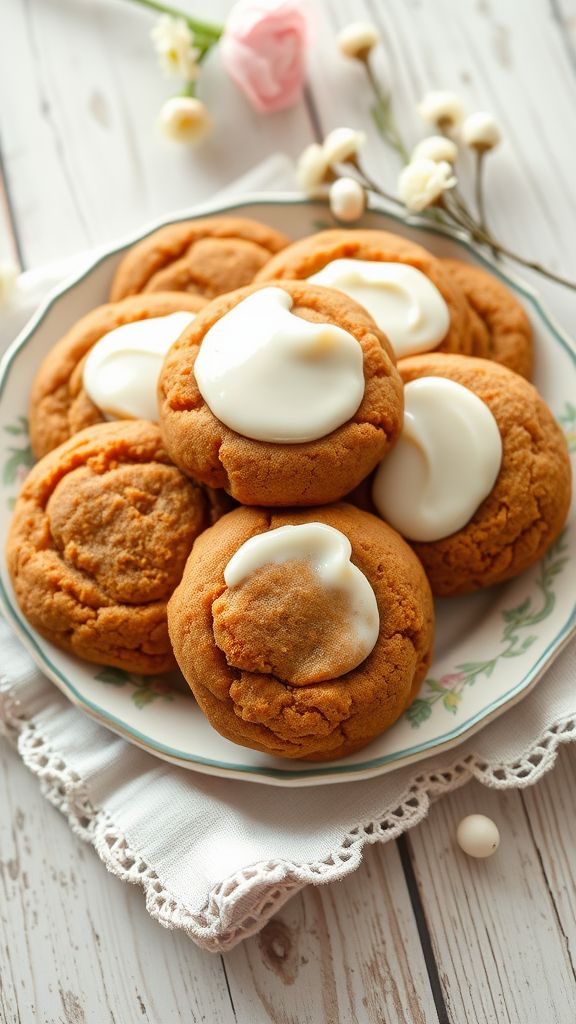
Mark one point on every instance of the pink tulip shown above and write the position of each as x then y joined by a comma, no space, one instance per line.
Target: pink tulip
263,51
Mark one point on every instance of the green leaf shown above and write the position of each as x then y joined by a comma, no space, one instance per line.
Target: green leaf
527,642
451,701
143,696
113,676
19,457
418,712
20,426
512,614
434,685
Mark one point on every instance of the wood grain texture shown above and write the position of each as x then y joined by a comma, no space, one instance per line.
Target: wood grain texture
494,923
82,163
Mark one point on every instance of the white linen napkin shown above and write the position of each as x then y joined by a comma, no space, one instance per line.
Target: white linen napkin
216,857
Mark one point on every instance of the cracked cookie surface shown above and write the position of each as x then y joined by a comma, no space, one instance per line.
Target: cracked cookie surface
205,257
266,473
59,406
528,505
252,704
99,538
501,328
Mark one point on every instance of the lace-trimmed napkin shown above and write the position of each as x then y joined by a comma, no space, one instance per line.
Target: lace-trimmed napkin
216,857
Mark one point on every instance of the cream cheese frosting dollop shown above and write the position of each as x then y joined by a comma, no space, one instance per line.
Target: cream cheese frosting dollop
405,303
444,464
121,371
328,552
272,376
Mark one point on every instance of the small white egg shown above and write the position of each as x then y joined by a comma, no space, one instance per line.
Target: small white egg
478,835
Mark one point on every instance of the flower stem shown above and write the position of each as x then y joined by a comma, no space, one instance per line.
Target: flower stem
382,114
481,235
210,34
479,195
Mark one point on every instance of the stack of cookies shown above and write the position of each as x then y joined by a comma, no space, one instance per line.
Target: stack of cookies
261,460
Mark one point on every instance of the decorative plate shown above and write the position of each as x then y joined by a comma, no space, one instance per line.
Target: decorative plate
491,648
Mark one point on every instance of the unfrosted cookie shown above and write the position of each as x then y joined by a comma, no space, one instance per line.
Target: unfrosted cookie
59,404
239,645
501,328
99,539
311,255
206,257
525,506
268,472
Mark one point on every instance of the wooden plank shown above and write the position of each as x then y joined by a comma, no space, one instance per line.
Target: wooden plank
550,809
347,952
493,923
76,945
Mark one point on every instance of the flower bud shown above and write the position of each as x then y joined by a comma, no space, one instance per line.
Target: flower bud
481,131
184,119
437,148
358,39
8,281
347,199
423,182
443,109
312,169
342,145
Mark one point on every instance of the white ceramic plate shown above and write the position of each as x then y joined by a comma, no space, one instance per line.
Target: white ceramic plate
491,647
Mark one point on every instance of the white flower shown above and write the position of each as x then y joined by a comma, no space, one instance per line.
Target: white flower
174,43
437,148
347,199
423,181
8,278
184,119
443,109
312,169
481,131
357,39
342,144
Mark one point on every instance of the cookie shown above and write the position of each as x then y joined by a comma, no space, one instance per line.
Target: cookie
244,456
238,645
206,257
501,328
99,538
59,403
313,255
505,475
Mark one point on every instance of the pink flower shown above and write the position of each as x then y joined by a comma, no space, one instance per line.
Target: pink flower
452,679
263,51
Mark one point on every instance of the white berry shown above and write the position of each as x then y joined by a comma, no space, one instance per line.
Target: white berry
347,199
478,835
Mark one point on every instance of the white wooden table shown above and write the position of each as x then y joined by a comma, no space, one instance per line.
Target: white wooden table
419,933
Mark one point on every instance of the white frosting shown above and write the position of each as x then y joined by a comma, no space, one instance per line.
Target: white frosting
272,376
121,370
401,299
443,466
328,552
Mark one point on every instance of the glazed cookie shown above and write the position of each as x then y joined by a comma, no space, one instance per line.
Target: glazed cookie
501,329
302,634
480,479
283,395
128,341
404,287
206,257
99,539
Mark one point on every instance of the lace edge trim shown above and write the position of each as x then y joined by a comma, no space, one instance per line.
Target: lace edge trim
224,920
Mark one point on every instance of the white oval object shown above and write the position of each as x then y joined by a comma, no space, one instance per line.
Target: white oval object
328,552
401,299
273,376
121,370
478,836
444,464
